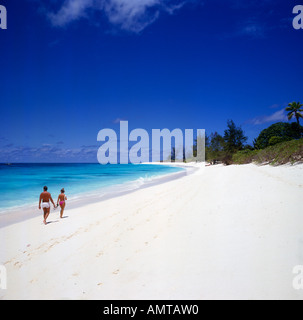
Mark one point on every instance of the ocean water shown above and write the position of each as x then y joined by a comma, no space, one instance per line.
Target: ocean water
21,184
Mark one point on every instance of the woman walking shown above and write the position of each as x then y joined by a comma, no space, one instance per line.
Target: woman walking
62,201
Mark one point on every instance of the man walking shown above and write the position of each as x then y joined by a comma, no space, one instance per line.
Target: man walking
45,197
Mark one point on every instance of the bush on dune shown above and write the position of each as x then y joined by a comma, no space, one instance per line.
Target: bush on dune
277,154
280,143
244,156
278,132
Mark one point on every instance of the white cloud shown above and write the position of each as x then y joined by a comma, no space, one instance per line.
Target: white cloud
47,152
71,10
275,117
130,15
254,30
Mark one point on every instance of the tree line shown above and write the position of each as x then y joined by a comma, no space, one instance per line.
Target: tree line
222,148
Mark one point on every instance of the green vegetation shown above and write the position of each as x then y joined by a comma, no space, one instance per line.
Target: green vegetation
214,149
234,138
221,148
294,110
276,133
244,156
280,143
280,153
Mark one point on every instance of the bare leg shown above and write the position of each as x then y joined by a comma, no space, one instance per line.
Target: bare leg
46,214
62,209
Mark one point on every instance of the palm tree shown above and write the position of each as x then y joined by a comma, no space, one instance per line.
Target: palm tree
294,110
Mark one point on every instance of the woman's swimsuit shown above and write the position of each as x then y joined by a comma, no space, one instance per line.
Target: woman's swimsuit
62,201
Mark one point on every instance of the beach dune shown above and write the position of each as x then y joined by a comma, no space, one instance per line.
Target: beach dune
231,232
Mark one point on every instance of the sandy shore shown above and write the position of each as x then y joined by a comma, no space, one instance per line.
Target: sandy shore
221,233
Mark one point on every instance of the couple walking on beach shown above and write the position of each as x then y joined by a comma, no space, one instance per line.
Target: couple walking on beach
45,198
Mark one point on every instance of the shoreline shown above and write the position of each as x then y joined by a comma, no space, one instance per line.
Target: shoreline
19,214
233,232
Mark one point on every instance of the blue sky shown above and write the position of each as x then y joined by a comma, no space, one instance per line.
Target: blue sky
71,68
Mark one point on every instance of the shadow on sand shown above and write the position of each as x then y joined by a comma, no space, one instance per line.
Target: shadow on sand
49,222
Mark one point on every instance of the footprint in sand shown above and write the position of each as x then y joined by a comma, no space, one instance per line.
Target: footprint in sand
116,272
100,254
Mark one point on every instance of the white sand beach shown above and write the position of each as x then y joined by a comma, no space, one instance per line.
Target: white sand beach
231,232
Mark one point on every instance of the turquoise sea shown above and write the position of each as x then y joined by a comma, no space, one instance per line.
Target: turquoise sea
21,184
